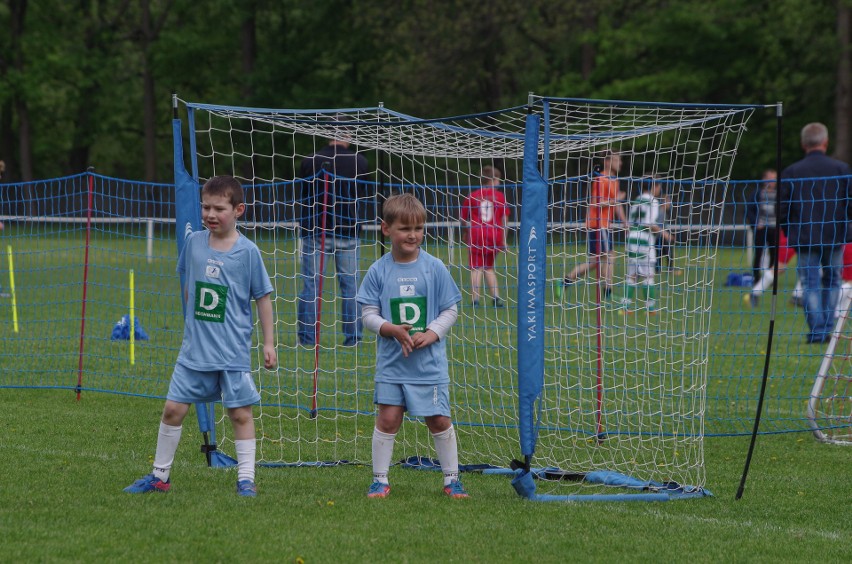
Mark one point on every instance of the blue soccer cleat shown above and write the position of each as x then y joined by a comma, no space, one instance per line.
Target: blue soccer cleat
246,488
378,489
455,489
148,484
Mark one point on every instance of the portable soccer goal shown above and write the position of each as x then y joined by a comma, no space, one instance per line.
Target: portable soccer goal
830,404
593,395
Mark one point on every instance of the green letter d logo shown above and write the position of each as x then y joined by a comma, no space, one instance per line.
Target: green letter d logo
210,300
409,311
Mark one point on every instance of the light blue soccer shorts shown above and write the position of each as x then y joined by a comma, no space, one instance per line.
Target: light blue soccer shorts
420,400
234,388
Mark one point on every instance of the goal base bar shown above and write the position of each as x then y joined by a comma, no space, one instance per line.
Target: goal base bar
411,462
218,459
524,484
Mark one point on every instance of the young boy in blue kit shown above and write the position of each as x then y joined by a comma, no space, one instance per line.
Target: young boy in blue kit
222,271
409,299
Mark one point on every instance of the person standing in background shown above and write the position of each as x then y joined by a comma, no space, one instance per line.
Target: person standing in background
485,214
761,216
604,202
329,226
816,205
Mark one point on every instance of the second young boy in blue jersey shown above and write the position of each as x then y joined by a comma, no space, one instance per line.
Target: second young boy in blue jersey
410,300
223,271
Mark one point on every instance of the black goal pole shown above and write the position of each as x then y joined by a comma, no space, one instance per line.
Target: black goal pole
779,193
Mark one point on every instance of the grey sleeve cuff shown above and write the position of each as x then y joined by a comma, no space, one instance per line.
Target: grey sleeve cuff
445,320
371,318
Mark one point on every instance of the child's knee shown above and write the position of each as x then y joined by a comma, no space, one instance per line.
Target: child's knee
389,418
174,412
241,416
438,423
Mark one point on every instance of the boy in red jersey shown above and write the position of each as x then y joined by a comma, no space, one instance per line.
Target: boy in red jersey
485,214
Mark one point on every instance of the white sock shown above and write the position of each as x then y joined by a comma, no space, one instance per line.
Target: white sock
799,290
167,443
382,454
448,454
246,449
764,283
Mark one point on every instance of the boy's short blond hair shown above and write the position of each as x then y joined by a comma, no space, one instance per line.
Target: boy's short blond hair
226,186
403,207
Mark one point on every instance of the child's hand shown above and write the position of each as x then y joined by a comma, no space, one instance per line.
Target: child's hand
424,339
270,357
400,333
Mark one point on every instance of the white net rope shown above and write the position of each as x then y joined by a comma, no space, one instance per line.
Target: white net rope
830,405
441,162
641,379
625,388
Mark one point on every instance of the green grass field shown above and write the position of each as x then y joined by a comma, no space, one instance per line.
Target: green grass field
69,460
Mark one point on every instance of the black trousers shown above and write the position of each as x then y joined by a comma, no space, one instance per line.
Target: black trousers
764,241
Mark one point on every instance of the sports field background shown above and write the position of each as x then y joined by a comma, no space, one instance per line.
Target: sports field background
68,460
49,276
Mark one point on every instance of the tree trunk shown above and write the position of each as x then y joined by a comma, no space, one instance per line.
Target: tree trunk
25,140
78,154
25,144
248,41
150,121
249,50
149,112
7,139
842,101
587,49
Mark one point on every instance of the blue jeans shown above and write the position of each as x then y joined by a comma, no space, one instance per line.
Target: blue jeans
345,252
821,292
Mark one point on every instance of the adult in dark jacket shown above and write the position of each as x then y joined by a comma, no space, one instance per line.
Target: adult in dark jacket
815,211
329,219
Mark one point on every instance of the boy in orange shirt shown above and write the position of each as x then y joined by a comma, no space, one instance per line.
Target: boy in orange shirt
603,203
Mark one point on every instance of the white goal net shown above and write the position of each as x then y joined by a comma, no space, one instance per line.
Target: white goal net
830,404
623,387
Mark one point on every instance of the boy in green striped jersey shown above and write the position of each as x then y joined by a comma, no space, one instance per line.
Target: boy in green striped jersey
641,252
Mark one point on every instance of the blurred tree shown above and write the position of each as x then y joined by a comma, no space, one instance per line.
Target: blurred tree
728,51
16,148
152,19
843,86
90,67
98,91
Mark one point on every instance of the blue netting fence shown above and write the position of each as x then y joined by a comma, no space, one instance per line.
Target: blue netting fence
72,241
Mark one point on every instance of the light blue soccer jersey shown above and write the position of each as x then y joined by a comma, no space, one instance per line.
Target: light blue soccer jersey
218,321
414,293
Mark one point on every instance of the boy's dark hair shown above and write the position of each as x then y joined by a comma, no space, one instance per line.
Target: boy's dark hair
227,186
657,179
489,173
403,207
